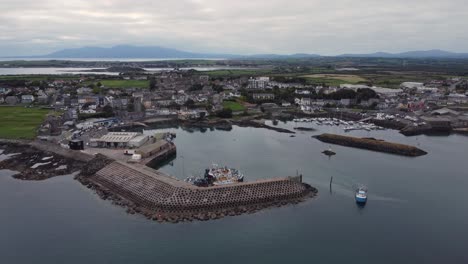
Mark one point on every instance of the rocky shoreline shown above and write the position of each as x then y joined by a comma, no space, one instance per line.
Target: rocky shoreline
34,164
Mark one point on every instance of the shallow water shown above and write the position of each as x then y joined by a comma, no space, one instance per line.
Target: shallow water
416,213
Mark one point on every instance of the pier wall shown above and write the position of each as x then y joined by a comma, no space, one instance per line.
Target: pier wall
371,144
157,192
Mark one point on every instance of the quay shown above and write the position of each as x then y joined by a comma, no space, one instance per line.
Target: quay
133,183
371,144
159,196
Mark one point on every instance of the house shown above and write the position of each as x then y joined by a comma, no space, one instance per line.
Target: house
204,78
11,100
263,96
445,111
43,99
180,99
370,102
27,99
84,90
347,102
302,91
88,100
164,102
4,90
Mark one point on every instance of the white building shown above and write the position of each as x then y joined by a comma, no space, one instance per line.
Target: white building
258,82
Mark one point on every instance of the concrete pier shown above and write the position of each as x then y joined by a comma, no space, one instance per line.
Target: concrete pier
159,194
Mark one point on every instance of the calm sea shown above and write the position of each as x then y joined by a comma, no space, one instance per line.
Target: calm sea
58,71
417,210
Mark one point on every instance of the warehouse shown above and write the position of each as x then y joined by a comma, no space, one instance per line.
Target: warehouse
154,149
138,141
115,139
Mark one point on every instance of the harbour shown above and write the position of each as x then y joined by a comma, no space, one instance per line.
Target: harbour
401,199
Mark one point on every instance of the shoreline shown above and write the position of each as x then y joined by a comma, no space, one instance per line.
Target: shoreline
31,153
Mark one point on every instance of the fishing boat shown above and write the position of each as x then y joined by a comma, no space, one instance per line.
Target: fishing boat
217,175
223,175
361,195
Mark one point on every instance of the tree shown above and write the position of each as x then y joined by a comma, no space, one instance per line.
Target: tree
96,90
189,103
152,84
218,88
99,84
225,113
202,115
108,110
196,87
130,107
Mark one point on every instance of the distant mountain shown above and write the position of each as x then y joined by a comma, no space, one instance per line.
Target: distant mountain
156,52
127,51
279,56
148,52
410,54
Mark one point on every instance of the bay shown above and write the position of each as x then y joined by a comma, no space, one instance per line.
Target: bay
416,211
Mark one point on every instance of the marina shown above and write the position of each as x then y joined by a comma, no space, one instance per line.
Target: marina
346,125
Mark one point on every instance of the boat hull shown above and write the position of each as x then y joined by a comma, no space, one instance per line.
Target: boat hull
361,200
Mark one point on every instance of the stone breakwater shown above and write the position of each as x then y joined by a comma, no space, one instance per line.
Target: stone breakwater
159,197
371,144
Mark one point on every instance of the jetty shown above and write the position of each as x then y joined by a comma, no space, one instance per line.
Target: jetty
371,144
163,198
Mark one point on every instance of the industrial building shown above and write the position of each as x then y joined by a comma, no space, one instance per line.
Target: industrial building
116,140
154,149
138,141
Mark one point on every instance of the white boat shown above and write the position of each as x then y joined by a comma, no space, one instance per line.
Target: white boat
217,175
361,195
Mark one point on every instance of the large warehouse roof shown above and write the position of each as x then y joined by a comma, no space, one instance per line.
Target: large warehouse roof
118,137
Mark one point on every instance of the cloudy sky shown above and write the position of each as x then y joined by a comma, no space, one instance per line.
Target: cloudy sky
327,27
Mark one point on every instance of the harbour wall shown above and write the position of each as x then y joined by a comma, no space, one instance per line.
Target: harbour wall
159,195
371,144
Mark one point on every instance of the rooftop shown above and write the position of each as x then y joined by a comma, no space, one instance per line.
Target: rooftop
118,136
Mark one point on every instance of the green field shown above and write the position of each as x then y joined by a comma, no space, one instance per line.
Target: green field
234,106
20,122
236,73
141,84
349,78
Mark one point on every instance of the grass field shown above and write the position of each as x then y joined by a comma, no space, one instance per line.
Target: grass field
236,73
335,79
141,84
20,122
234,106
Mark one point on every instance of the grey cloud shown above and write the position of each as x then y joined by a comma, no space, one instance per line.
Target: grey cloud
242,26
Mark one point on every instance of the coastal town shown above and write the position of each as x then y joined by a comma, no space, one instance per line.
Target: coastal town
106,126
188,96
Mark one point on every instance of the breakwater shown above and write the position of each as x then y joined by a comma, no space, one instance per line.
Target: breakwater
157,196
371,144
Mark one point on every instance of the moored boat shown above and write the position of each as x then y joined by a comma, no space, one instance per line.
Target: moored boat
216,175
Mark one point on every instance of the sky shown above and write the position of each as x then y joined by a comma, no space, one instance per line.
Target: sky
326,27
